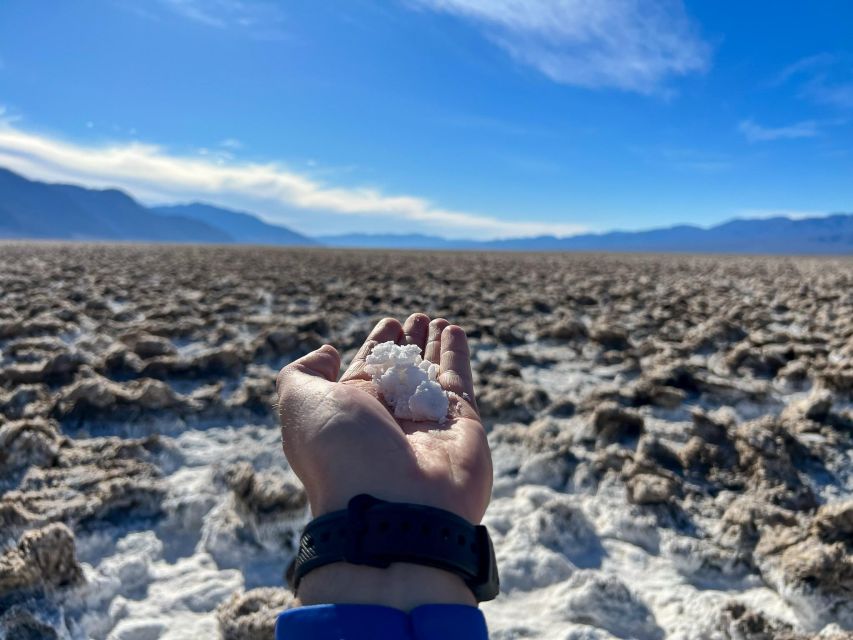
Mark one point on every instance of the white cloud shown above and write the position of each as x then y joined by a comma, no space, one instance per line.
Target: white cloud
824,78
258,18
754,132
634,45
153,174
793,214
231,143
839,95
7,118
696,160
802,66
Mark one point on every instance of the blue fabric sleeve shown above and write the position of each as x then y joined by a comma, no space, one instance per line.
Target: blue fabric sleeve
374,622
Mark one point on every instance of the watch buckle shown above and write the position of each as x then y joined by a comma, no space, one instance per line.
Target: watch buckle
357,526
486,584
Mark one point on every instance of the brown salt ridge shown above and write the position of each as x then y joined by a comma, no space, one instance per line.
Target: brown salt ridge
713,394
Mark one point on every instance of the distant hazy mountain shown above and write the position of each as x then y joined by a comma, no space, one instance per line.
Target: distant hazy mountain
244,228
827,235
393,241
31,209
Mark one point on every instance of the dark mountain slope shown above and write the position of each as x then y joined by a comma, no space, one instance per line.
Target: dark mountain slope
32,209
242,227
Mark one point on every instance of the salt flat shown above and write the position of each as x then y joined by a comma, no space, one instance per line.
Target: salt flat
671,435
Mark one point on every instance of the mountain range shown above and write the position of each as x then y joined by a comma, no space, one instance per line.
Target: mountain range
31,209
240,227
40,210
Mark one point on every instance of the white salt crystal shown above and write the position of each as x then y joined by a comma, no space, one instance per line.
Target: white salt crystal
407,382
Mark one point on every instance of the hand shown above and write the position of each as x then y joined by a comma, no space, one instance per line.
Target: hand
342,440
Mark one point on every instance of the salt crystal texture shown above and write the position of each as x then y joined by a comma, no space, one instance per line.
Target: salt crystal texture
408,382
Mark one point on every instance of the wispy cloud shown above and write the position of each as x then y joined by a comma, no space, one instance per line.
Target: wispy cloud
231,143
153,174
755,132
492,124
838,95
824,78
633,45
793,214
258,19
696,160
685,159
7,117
221,14
802,66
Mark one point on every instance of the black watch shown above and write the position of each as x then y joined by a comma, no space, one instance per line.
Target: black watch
376,533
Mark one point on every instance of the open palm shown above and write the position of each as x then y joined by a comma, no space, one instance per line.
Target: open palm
341,439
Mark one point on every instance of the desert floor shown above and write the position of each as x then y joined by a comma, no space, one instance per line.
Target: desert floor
671,435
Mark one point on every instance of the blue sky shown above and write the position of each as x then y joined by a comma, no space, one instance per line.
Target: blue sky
462,118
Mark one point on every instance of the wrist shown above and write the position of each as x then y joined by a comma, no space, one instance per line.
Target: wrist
401,585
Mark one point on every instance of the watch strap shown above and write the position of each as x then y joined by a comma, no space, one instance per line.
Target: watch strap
377,533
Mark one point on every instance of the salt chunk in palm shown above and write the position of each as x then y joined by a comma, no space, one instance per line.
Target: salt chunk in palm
407,382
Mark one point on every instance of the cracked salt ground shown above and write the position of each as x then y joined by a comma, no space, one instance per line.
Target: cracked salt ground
565,566
579,560
671,436
232,514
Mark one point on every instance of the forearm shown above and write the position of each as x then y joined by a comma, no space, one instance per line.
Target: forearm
402,586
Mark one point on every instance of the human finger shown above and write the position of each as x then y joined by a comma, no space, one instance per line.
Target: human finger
432,350
455,363
301,380
324,362
387,329
416,329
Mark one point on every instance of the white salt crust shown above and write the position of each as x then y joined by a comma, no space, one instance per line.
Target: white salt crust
578,560
407,382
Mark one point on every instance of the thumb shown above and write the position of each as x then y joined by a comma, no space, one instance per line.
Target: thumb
302,386
324,362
